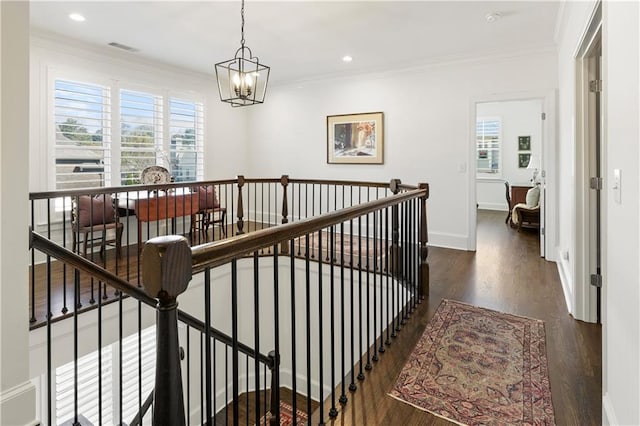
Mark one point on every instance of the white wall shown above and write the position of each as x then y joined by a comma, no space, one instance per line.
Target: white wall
53,56
17,394
426,128
621,98
621,75
519,118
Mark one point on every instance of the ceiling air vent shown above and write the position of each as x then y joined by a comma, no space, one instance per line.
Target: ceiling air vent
123,47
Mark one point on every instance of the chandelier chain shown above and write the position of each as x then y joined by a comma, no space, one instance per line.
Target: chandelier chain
242,27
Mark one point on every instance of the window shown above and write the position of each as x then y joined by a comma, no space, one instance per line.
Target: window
488,146
96,145
82,142
140,133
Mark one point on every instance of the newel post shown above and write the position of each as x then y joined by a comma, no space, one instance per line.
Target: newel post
396,253
240,206
284,181
424,238
166,272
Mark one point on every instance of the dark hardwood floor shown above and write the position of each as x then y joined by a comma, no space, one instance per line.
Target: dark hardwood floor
506,273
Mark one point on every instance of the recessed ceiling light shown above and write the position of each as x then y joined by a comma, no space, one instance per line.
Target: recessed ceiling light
347,58
493,17
76,17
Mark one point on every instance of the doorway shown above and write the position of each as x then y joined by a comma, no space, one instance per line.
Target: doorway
508,161
589,174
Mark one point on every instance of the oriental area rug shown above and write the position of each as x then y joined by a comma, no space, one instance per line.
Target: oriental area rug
476,366
286,416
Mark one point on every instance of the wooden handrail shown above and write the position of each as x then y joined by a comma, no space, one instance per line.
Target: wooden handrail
220,252
56,251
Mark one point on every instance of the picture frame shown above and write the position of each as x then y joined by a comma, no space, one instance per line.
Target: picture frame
355,138
523,160
524,143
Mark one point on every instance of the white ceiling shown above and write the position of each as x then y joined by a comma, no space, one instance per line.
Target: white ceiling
305,39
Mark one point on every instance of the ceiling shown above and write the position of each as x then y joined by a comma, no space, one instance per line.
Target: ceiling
302,40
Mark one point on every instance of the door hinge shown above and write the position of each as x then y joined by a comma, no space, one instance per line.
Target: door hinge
595,86
541,231
596,280
544,115
596,183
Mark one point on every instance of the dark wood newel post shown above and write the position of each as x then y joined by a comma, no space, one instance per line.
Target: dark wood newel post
284,181
240,206
166,272
396,253
424,238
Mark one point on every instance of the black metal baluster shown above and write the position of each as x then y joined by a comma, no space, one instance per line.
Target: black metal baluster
381,348
388,275
256,333
33,269
293,326
202,399
361,351
343,396
333,412
368,319
188,355
313,210
308,323
64,244
320,330
99,360
375,286
352,385
207,342
234,338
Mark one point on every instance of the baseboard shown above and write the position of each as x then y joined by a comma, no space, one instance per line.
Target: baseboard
492,206
445,240
18,405
608,414
563,272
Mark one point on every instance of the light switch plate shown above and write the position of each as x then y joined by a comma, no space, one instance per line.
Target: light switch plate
617,185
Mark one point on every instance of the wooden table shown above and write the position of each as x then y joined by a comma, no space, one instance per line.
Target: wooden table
168,206
519,193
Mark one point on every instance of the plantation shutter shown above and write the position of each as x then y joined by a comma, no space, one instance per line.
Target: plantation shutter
82,135
488,145
140,133
131,371
88,373
186,151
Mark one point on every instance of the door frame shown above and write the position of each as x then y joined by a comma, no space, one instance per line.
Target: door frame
548,160
585,303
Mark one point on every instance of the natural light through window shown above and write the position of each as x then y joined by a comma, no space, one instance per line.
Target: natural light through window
488,141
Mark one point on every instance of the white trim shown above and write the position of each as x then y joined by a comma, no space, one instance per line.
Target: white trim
17,402
608,413
548,100
448,240
565,279
492,206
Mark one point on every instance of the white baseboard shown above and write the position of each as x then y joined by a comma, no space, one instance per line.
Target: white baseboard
492,206
608,414
444,240
565,280
18,405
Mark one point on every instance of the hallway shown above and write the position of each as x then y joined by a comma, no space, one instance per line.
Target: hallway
506,274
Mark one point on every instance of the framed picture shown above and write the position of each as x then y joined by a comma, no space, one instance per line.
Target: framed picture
523,160
524,143
355,138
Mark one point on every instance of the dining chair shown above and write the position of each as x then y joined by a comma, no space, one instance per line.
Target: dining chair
209,212
91,218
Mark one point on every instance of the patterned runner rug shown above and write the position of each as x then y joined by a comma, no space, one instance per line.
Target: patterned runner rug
286,416
477,366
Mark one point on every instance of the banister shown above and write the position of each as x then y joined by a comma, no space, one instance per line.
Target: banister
220,252
54,250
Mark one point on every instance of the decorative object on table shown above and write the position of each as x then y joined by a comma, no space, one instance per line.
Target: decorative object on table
523,160
524,143
242,81
355,138
478,366
534,164
155,175
286,416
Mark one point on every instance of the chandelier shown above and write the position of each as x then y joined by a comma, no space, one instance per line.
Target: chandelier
242,81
